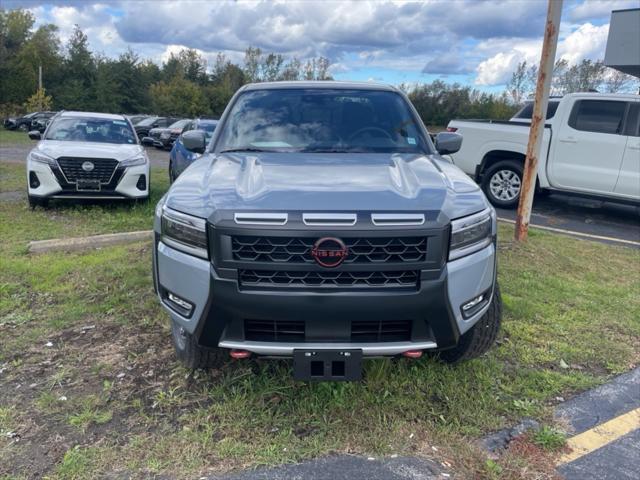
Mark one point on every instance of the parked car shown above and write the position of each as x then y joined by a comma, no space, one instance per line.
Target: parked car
169,135
135,119
160,141
591,147
40,121
142,128
321,224
24,122
87,155
180,158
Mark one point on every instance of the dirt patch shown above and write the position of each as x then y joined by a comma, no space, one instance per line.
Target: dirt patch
82,371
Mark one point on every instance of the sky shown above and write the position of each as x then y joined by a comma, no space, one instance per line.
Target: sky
472,42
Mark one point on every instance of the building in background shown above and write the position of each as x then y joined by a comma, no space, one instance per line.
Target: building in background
623,44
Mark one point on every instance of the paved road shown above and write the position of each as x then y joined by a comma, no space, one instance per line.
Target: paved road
603,219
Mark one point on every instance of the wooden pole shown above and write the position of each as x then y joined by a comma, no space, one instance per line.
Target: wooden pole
536,133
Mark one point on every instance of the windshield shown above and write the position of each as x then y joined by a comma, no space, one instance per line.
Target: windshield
180,123
321,120
147,121
87,129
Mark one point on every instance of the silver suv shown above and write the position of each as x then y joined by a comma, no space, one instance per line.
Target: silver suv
322,224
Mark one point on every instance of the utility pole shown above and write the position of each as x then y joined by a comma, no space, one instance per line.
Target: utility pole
543,85
40,95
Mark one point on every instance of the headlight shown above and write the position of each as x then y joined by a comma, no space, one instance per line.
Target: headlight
42,158
133,161
184,232
470,234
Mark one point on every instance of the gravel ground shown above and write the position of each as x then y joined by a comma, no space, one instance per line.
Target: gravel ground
14,153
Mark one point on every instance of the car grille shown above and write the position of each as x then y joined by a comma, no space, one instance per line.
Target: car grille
381,331
283,250
274,330
72,168
328,280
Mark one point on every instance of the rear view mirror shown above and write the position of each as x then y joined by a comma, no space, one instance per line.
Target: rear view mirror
147,141
448,142
194,141
35,135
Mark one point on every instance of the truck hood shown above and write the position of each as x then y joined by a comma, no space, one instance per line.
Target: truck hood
119,151
324,182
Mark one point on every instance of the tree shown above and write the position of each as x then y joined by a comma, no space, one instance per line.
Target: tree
252,62
179,97
271,67
39,101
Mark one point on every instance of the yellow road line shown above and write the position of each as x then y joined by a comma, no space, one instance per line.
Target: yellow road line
601,435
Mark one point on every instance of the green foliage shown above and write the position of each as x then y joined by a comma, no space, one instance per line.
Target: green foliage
39,101
178,97
549,438
438,102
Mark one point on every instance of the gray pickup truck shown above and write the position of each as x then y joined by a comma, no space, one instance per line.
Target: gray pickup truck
321,224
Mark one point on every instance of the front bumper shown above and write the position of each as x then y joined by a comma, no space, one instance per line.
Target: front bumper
220,307
123,185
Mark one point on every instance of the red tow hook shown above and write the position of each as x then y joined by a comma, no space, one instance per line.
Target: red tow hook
239,354
412,353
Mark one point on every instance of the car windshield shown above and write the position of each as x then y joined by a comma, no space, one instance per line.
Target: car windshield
179,124
88,129
147,122
321,120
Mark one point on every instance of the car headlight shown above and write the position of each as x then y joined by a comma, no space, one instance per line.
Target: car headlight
42,158
470,234
184,232
134,161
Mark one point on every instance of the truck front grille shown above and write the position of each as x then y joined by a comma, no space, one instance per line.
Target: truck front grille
287,250
380,331
103,168
274,330
407,279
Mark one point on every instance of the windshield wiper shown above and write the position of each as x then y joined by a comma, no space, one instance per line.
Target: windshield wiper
244,149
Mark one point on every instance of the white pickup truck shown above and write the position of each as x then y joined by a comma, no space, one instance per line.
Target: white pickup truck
591,147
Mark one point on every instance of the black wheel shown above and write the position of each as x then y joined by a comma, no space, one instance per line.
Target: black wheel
502,183
480,337
190,353
23,127
38,202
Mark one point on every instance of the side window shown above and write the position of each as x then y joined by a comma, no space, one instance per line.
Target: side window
601,116
632,127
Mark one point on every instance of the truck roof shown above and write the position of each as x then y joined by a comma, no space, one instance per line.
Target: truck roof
596,95
320,84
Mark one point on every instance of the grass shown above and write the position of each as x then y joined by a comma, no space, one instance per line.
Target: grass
12,137
129,408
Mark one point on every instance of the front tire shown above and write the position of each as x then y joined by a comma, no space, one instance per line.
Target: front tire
191,353
479,339
502,183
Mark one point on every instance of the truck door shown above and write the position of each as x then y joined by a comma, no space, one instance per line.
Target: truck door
629,178
589,147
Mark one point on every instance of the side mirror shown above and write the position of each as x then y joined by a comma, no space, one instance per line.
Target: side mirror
147,141
155,125
194,141
448,143
35,135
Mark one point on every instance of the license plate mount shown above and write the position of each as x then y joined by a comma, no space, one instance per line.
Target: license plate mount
88,185
327,365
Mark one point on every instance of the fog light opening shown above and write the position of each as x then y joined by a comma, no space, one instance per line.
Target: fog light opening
142,183
179,304
239,354
474,305
412,353
34,181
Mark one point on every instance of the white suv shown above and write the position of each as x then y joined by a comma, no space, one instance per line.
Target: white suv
87,155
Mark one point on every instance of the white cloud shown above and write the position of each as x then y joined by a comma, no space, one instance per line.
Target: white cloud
591,9
588,41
